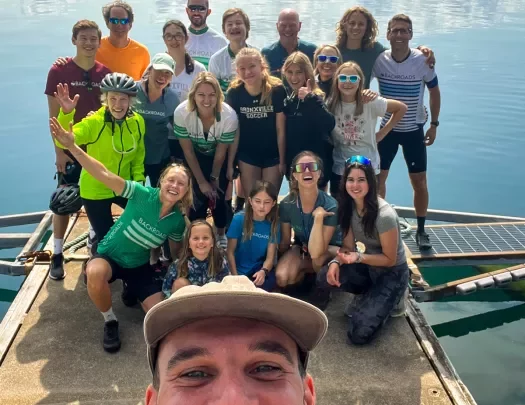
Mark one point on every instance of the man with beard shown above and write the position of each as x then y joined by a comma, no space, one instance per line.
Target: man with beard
117,51
203,41
288,26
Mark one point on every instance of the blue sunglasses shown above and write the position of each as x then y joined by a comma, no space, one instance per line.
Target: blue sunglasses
349,78
362,160
325,58
118,21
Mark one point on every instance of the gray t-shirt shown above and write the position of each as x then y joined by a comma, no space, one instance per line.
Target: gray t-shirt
290,212
365,58
386,220
158,117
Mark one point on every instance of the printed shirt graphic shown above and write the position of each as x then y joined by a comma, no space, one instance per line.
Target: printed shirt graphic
203,44
77,80
197,274
252,252
222,65
158,117
257,123
140,228
189,126
405,81
356,135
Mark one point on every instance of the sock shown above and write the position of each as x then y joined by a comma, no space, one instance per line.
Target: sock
109,315
421,224
59,244
239,203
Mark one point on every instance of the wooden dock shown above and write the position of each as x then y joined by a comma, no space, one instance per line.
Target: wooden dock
52,353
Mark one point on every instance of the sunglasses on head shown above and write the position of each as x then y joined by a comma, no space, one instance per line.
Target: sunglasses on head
301,167
87,79
197,8
349,78
362,160
117,21
325,58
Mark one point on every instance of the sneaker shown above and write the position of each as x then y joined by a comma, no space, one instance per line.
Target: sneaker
423,241
400,309
353,304
222,241
111,337
320,298
127,297
56,268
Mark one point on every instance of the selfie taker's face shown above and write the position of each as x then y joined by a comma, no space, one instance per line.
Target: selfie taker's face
226,361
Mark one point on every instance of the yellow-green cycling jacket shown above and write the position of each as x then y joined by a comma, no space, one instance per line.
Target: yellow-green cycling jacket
119,147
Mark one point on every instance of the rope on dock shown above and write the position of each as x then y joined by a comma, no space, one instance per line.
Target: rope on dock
80,240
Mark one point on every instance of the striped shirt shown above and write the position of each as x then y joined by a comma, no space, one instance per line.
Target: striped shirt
140,227
189,126
405,81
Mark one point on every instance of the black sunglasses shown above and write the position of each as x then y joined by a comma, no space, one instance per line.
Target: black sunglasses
87,79
197,8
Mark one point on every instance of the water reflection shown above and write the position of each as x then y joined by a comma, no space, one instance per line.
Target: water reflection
45,7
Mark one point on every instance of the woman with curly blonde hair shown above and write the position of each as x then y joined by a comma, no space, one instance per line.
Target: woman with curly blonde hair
357,40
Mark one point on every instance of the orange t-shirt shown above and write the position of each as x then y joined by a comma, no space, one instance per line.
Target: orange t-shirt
131,60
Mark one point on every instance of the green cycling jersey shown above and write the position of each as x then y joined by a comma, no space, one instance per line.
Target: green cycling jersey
118,145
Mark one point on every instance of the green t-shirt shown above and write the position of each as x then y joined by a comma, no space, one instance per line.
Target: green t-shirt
365,58
139,228
290,212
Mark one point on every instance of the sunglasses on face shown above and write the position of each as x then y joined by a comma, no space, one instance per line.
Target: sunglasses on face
301,167
325,58
362,160
87,78
117,21
199,9
169,37
349,78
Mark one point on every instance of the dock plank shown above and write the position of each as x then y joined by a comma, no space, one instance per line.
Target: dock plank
57,356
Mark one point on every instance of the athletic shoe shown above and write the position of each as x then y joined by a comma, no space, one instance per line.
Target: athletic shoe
111,337
222,241
423,241
56,268
127,297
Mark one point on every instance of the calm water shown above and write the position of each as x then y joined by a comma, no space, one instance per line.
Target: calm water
474,164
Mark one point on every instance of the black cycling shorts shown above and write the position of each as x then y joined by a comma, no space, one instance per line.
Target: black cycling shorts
73,175
414,150
142,282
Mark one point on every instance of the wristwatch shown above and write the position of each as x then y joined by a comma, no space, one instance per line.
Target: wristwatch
435,123
213,178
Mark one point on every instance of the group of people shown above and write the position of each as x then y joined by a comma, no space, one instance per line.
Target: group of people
212,115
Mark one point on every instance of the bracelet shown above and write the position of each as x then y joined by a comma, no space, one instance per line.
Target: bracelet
266,271
359,257
334,261
213,178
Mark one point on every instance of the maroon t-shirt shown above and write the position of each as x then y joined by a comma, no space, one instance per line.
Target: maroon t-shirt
84,83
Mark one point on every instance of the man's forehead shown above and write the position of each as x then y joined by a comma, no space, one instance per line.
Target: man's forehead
226,329
289,15
198,3
117,10
399,24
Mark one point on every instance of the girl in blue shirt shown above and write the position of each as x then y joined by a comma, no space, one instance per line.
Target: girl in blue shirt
253,237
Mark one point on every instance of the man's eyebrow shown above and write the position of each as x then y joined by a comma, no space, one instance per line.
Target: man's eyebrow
187,353
273,347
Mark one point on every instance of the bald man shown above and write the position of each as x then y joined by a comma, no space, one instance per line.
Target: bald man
288,26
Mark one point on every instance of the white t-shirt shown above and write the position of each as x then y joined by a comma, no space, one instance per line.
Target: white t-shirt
189,126
356,135
203,44
405,81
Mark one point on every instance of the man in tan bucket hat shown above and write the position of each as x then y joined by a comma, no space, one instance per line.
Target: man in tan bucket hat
231,343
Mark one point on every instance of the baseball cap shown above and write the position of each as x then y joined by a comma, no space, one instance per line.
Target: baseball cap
163,61
235,296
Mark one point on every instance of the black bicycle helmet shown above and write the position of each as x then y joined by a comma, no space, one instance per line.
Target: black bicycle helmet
120,83
66,200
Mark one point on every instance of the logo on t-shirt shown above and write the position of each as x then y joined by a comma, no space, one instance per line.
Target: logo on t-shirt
257,112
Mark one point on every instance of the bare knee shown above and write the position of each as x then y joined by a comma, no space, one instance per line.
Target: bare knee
419,181
98,272
179,283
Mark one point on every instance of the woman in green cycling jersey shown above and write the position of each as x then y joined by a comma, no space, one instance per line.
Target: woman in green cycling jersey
151,216
113,135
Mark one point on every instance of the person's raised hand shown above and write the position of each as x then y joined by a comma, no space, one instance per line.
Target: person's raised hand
62,96
65,138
